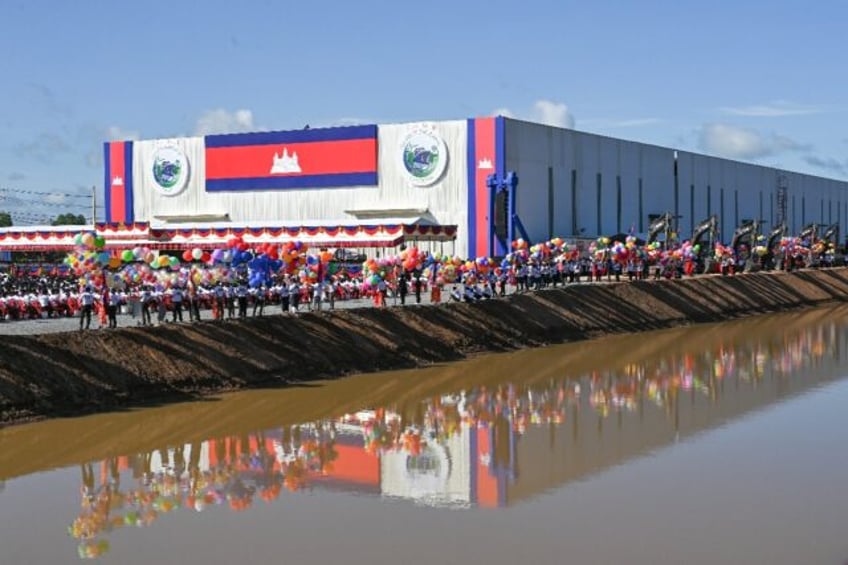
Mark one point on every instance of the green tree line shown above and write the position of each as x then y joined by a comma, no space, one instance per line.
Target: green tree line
66,219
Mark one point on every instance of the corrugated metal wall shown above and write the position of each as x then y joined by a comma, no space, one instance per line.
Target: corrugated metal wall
570,184
628,178
657,178
598,185
446,200
580,175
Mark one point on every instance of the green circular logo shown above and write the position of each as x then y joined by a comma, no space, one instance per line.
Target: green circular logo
170,170
425,157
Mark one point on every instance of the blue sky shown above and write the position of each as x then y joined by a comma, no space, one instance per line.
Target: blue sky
755,81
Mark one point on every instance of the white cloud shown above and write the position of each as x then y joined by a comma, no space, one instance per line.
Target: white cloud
775,109
222,121
742,143
116,133
553,114
544,111
55,199
92,137
505,112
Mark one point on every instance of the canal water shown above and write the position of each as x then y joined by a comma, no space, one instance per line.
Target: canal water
712,444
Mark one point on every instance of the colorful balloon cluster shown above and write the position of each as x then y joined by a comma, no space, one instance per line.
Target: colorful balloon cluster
89,257
260,264
793,246
376,270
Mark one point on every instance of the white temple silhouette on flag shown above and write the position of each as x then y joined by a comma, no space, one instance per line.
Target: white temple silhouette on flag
285,163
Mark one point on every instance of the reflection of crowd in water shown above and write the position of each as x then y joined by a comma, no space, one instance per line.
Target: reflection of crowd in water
229,471
137,490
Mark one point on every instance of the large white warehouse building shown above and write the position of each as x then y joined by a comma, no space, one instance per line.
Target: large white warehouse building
476,182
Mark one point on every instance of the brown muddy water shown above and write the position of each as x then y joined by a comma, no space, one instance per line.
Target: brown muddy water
713,444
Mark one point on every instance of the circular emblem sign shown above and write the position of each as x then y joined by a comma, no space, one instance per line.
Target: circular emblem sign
170,170
425,157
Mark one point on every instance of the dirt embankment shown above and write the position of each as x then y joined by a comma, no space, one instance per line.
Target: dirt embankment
79,372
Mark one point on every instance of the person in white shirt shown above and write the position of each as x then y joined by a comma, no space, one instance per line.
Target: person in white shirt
193,295
231,302
59,303
112,308
177,303
284,296
317,296
161,307
87,303
330,290
146,300
44,303
294,295
383,291
241,294
259,297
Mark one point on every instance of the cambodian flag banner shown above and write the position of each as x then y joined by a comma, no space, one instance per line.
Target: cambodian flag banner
299,159
118,181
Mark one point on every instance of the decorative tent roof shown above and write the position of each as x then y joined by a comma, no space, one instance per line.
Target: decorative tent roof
385,233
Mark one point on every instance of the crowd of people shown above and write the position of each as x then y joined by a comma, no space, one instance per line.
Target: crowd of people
199,288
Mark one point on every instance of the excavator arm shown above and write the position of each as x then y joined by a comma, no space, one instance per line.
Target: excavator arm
743,233
775,235
659,225
707,227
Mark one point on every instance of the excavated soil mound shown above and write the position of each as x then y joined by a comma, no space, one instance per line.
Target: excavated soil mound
74,373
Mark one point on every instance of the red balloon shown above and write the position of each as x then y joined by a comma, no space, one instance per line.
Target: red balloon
207,257
187,255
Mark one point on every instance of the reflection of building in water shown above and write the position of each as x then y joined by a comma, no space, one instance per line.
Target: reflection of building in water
439,472
488,446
